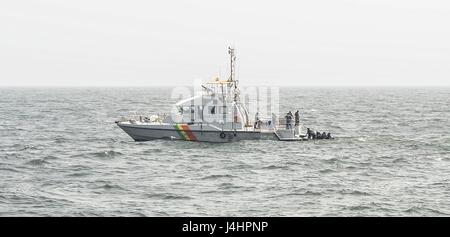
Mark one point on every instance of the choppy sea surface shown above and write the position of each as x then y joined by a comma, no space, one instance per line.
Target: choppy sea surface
61,154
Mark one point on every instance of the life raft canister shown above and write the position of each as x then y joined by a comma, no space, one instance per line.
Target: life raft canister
222,135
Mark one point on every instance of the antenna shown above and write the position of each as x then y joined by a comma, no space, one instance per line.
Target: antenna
232,78
232,66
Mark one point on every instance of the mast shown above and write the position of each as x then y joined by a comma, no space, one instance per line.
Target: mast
232,78
235,94
232,66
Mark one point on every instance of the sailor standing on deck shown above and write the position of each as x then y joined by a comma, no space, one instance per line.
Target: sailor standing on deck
289,118
257,120
297,123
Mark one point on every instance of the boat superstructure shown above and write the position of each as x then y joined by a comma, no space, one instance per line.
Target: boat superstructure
217,114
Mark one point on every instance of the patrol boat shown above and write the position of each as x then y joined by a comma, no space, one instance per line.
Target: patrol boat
215,115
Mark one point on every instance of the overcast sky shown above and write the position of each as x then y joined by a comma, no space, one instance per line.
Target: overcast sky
152,43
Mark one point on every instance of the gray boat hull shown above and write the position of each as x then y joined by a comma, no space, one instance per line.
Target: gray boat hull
147,133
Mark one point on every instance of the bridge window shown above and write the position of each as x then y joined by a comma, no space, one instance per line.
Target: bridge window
212,109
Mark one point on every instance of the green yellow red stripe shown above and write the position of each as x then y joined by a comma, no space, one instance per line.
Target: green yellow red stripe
185,132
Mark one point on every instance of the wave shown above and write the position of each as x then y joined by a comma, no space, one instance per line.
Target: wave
168,196
271,167
306,193
399,160
26,147
79,174
106,154
241,166
354,192
60,140
111,186
153,150
10,170
50,157
78,167
357,207
425,211
331,160
326,171
37,162
218,176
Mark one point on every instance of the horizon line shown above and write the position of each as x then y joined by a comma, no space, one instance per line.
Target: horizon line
159,86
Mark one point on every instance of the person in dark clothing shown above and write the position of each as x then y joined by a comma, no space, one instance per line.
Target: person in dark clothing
324,135
289,120
297,118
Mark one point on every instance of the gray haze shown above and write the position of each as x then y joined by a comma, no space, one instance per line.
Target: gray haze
153,43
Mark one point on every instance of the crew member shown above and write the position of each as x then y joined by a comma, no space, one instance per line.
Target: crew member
289,120
256,119
291,116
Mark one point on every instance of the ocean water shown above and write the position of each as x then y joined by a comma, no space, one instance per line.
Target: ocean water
62,155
